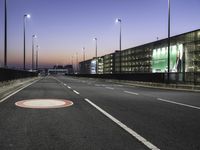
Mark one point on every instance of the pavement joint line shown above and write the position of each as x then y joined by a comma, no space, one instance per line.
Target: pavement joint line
76,92
5,98
131,92
177,103
123,126
109,88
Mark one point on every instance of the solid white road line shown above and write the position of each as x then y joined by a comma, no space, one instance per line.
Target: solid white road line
123,126
110,88
76,92
131,93
5,98
177,103
68,87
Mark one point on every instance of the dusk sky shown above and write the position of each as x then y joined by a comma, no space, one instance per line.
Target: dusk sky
64,27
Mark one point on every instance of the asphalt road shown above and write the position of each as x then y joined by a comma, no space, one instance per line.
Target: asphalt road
105,116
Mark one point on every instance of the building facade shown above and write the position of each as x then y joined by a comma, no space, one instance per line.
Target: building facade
153,57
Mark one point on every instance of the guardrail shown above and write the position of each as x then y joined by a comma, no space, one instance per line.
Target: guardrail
185,78
11,74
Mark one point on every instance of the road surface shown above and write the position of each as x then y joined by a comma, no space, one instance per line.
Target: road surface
104,116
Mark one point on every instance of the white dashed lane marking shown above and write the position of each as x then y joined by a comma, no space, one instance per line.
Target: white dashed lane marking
123,126
177,103
100,85
133,93
110,88
68,87
76,92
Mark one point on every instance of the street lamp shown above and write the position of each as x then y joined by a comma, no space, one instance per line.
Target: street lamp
5,36
83,53
118,20
83,64
72,64
168,60
77,62
25,17
95,39
33,46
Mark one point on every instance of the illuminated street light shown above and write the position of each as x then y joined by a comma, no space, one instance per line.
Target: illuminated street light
118,20
33,47
95,39
25,17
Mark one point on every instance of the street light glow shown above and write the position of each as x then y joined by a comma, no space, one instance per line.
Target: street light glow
118,20
27,16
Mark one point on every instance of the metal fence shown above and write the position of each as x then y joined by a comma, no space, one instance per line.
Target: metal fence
175,78
186,78
11,74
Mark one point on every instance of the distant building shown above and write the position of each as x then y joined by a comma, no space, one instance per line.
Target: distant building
153,58
69,68
85,67
59,69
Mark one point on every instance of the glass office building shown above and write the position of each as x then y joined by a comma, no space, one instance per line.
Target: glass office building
153,57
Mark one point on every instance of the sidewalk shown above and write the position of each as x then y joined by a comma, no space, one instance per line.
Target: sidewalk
8,87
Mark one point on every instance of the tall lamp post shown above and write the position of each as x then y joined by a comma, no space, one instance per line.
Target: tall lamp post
37,56
83,53
25,17
95,39
77,62
72,64
5,36
120,41
168,60
33,47
83,67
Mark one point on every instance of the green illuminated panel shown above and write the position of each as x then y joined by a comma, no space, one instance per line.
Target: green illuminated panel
160,55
